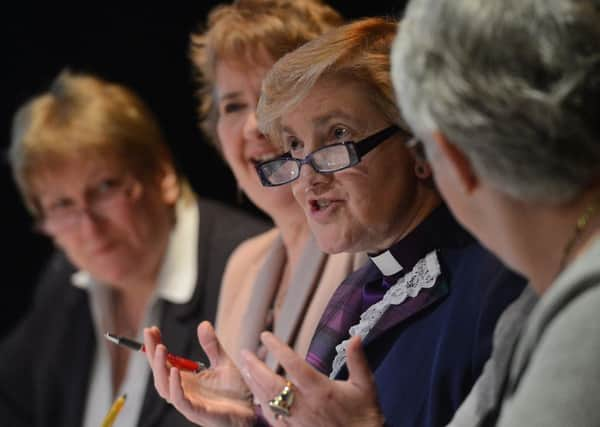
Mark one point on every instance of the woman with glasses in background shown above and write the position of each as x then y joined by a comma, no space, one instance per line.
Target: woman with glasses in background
135,247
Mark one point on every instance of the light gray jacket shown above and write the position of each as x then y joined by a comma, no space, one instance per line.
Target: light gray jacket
555,348
555,371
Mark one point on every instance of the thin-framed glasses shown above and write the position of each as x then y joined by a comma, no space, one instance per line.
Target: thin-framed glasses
328,159
100,199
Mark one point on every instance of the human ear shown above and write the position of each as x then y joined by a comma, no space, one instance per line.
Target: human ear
170,186
458,163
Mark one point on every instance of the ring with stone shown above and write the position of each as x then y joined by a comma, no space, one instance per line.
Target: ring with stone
280,405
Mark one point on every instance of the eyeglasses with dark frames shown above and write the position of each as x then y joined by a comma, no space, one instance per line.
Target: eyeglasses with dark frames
101,199
329,159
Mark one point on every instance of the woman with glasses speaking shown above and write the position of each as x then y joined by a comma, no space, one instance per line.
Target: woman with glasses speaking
426,305
136,248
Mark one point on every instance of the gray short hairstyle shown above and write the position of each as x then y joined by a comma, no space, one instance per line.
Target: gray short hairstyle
515,84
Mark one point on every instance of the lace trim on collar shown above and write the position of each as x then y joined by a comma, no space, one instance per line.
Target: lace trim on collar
423,275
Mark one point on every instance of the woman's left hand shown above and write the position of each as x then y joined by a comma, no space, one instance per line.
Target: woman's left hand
317,400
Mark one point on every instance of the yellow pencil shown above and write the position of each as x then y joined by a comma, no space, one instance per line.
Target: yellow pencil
116,407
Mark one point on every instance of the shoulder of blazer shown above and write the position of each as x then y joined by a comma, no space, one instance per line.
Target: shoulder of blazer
228,222
54,283
221,229
250,253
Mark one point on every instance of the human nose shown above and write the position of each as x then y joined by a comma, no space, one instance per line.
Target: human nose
251,130
85,223
308,177
91,214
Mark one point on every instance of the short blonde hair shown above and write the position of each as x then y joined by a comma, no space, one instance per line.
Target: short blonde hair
240,31
83,115
359,51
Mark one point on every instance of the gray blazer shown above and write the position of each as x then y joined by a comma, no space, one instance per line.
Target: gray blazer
554,375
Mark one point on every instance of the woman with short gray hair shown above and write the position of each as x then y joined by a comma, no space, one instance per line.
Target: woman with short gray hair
505,96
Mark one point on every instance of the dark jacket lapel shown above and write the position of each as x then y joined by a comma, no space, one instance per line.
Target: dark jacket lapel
398,314
214,243
75,386
175,323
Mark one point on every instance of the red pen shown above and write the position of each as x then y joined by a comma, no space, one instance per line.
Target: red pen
177,361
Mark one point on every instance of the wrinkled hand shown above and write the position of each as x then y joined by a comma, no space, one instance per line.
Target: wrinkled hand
318,401
216,396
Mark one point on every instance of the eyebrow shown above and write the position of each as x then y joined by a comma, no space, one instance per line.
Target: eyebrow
229,95
322,121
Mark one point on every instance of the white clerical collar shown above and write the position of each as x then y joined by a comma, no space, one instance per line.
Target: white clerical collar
386,263
178,273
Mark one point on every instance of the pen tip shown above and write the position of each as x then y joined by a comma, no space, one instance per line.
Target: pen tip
111,337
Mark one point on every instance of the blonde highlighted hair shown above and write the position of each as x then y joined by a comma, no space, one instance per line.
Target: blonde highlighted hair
359,51
244,30
83,116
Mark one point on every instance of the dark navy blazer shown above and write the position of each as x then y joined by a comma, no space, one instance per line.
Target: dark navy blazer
427,352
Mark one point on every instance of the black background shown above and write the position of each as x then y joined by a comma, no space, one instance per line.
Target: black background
142,47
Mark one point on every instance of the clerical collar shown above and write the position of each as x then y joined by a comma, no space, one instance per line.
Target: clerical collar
438,230
386,263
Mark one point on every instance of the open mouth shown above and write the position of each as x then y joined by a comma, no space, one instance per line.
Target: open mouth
318,205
